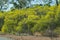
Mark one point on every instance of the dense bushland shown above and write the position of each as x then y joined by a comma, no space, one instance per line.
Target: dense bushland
31,20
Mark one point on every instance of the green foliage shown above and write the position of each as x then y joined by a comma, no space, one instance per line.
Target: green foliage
30,20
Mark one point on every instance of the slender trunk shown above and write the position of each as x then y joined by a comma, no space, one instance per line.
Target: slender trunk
0,8
57,2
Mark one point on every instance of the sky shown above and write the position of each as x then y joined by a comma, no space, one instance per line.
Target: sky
40,2
10,5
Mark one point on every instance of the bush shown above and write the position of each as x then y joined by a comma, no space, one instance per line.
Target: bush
31,20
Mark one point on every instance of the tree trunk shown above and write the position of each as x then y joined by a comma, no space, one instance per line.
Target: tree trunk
57,2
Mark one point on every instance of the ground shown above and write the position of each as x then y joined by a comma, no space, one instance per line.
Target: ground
29,37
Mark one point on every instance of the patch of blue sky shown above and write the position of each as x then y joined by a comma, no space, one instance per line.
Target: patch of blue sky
37,2
41,2
9,7
53,2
